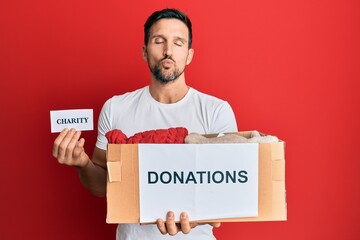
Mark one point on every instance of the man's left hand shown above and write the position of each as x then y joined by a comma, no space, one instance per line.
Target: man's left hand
172,228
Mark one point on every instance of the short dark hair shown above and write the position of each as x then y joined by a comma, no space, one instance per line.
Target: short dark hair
167,13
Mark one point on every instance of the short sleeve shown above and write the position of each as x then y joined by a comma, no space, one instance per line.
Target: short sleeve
104,125
224,119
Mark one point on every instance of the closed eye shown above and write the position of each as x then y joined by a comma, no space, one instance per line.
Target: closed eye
179,43
158,40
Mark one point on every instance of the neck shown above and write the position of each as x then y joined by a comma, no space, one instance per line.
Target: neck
171,92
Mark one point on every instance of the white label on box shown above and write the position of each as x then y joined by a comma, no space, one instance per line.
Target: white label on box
208,181
80,119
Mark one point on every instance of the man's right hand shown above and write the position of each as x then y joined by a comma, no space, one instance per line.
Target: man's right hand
69,150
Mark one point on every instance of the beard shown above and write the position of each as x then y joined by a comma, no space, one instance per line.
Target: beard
165,76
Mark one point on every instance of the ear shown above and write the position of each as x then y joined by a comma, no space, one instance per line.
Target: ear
144,52
190,56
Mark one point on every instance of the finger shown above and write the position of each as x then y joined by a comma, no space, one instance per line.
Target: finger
148,223
64,144
57,142
70,147
184,223
193,224
215,224
79,147
171,227
80,155
161,226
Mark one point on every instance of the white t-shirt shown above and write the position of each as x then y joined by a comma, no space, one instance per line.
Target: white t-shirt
138,111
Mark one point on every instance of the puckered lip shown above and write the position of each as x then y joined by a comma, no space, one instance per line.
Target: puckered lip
166,61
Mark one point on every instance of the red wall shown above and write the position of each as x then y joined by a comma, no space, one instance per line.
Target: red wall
288,68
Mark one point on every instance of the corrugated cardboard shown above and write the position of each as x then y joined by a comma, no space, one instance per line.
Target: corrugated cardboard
123,183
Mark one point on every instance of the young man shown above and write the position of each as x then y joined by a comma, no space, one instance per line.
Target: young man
167,102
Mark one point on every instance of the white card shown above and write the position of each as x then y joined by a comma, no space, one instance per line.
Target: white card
80,119
208,181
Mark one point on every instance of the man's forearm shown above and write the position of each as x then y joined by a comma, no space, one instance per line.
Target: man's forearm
93,177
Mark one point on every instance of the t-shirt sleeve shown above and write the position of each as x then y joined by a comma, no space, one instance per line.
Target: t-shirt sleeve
224,120
104,125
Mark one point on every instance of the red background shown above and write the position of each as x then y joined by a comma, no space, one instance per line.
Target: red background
288,68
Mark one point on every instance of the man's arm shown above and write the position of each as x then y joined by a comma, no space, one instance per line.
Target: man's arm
68,149
94,175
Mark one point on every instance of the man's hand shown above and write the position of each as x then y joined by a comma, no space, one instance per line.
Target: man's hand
169,226
69,150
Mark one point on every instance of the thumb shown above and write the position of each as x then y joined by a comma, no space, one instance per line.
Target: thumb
216,224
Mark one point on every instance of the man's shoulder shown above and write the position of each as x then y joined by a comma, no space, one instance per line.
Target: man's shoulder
129,96
133,94
204,97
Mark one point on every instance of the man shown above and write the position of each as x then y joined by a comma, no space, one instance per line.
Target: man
167,102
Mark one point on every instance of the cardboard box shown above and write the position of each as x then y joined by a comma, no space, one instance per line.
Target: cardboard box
123,204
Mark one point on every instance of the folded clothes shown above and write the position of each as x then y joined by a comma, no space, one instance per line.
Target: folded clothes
195,138
170,135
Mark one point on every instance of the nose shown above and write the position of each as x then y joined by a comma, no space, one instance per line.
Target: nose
168,51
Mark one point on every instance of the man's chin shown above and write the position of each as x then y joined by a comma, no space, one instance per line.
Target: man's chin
166,80
167,70
165,75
